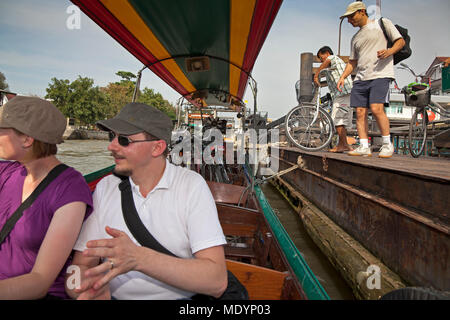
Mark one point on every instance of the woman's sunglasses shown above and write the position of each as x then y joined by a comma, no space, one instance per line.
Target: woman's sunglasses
124,140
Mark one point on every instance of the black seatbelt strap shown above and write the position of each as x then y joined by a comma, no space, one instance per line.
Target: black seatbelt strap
133,222
11,222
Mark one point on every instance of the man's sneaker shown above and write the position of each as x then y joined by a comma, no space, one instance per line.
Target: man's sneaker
361,151
386,151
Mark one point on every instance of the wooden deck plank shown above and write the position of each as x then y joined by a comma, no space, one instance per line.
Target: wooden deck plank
435,168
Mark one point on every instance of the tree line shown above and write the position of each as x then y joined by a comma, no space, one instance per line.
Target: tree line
86,103
3,83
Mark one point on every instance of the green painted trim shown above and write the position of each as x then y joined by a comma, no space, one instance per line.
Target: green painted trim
311,286
98,174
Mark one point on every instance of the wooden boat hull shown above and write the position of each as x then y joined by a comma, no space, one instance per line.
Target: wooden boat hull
396,210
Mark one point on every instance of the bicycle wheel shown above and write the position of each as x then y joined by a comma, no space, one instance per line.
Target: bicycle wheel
306,131
418,132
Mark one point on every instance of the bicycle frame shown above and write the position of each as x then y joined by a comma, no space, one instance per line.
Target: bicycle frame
317,96
316,114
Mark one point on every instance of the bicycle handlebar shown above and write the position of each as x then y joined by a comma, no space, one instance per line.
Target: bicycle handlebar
422,75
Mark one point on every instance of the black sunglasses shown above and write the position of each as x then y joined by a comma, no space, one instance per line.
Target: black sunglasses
124,140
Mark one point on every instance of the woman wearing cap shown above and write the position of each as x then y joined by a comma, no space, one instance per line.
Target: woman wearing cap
36,251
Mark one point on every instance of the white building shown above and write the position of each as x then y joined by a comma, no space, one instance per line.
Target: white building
398,110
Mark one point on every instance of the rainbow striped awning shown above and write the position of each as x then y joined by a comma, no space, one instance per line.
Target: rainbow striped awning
202,48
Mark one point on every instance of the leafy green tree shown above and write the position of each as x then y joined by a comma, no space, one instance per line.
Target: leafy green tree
126,76
87,103
58,90
117,95
3,84
155,99
78,99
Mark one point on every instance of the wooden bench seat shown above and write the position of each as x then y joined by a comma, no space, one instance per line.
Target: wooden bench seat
261,283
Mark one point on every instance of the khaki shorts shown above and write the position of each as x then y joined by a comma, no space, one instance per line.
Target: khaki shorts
342,113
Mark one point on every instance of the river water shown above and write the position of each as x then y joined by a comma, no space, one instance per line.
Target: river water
88,156
85,156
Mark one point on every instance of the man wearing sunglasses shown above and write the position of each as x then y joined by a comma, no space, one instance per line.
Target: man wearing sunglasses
374,66
174,204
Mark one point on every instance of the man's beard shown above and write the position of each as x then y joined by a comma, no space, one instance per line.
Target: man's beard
122,172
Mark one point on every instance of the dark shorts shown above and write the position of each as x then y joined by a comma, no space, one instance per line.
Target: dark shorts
364,93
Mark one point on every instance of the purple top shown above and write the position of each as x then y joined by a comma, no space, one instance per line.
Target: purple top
19,250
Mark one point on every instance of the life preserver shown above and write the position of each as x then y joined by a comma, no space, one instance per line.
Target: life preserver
431,115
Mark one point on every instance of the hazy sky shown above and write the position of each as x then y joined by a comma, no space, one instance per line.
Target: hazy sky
36,45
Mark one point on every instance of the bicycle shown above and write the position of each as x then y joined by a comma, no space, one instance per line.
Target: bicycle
309,125
418,95
212,168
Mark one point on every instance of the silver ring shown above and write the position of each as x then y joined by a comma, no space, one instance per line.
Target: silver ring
112,264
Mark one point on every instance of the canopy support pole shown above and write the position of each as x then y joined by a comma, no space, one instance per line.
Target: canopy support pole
138,84
179,111
339,42
254,86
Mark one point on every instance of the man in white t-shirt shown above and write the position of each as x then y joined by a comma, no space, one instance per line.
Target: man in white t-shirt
374,72
174,204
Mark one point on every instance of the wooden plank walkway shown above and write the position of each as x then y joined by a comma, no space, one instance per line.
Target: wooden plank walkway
426,167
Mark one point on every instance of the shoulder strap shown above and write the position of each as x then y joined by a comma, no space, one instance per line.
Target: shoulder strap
381,23
235,290
11,222
133,222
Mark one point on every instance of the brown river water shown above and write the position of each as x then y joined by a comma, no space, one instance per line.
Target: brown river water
85,155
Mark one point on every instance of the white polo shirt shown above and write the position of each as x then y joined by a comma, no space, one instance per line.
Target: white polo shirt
179,212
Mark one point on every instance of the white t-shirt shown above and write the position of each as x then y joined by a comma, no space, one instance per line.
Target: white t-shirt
364,46
179,212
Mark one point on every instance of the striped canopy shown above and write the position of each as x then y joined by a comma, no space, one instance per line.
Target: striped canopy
204,49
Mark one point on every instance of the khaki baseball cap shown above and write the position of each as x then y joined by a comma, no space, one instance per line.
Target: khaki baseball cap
138,117
353,7
35,117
